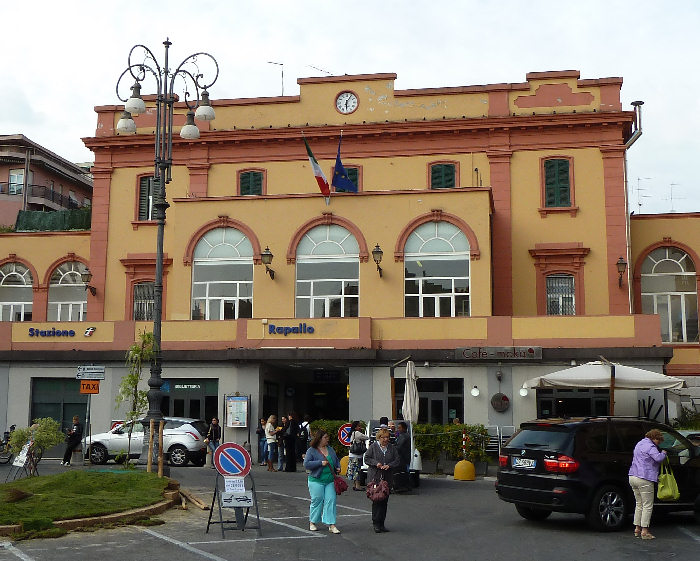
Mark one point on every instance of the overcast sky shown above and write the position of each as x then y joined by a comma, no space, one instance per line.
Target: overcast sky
61,59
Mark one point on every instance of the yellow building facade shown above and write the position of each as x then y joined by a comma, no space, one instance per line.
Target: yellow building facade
501,215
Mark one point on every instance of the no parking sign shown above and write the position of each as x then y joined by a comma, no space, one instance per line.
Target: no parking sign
345,434
232,459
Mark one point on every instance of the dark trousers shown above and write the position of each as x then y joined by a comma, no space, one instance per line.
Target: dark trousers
379,513
290,453
70,446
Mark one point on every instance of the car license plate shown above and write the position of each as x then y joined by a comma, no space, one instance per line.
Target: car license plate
523,463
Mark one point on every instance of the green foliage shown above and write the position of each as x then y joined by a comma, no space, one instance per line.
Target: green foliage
6,229
331,427
80,494
432,440
688,419
141,352
46,432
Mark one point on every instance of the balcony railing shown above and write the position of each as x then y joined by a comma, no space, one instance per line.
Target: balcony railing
41,192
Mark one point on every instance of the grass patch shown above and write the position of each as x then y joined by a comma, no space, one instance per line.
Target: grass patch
77,494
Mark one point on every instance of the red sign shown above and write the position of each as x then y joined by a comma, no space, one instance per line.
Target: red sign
232,459
89,386
344,434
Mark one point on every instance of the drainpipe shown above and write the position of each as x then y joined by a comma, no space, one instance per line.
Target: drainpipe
632,139
25,186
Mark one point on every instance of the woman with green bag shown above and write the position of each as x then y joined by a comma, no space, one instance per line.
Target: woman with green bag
643,473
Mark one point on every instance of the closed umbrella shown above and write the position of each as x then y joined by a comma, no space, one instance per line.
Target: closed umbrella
409,410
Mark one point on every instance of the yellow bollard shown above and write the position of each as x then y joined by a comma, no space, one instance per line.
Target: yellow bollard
344,465
464,471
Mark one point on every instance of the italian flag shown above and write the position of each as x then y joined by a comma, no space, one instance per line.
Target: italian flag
320,178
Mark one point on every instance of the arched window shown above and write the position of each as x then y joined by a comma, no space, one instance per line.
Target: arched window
16,294
669,289
436,264
222,276
67,294
328,269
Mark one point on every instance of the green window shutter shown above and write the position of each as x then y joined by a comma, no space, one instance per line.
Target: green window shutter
442,176
353,175
251,183
145,198
557,189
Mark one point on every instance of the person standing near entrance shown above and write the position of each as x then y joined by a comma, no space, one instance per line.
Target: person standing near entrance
291,434
280,444
262,442
381,458
75,435
213,437
271,436
323,464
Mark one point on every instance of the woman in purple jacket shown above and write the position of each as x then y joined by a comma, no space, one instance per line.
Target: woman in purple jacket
643,473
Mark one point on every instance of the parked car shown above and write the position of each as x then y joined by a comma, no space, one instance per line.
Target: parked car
183,442
416,465
692,435
581,466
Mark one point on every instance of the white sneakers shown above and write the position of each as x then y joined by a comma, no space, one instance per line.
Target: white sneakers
312,527
333,530
67,464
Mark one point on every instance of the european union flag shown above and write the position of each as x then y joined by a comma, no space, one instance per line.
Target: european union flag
341,181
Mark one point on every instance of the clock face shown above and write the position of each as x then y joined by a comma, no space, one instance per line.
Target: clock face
346,102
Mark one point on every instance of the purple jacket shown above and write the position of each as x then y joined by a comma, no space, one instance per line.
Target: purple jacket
646,460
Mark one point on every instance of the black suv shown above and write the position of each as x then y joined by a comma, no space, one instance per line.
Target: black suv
581,466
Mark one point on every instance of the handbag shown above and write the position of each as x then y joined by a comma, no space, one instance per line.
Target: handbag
340,485
358,447
378,491
668,488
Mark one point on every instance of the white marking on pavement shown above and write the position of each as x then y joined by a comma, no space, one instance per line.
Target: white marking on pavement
16,552
690,534
308,500
183,545
296,528
261,539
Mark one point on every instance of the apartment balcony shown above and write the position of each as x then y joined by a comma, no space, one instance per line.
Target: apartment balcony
39,197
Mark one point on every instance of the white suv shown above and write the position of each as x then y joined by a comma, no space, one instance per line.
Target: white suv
183,441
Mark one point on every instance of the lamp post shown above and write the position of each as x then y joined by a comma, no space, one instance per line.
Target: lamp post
198,106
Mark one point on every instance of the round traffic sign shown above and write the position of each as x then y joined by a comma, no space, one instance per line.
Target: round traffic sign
344,434
232,459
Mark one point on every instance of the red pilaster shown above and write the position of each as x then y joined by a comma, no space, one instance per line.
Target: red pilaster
499,162
102,176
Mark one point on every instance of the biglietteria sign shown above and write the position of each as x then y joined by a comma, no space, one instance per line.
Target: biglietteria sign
285,330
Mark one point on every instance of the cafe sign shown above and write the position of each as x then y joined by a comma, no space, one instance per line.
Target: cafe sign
498,353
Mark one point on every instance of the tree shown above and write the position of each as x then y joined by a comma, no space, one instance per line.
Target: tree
142,351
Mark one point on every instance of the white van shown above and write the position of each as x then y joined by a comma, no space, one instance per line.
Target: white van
416,465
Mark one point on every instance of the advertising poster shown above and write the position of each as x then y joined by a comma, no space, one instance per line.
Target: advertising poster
236,411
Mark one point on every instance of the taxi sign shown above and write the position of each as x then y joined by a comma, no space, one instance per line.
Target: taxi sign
89,386
345,435
232,459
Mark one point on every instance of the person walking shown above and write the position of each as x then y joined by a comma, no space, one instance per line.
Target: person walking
381,458
73,439
291,434
323,464
280,444
213,438
271,436
262,442
357,439
643,473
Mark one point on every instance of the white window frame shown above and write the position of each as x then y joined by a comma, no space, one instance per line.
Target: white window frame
68,274
21,310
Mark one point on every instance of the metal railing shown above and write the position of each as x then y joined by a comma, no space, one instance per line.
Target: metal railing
39,192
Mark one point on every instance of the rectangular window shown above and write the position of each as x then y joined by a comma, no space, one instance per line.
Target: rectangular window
442,176
16,183
251,183
560,295
557,188
146,191
144,301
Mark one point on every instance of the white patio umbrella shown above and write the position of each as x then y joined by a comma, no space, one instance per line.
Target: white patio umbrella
409,410
599,374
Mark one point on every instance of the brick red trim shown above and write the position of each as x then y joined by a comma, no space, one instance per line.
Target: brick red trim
559,258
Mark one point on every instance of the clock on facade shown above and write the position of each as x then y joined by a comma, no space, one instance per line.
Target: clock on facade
346,102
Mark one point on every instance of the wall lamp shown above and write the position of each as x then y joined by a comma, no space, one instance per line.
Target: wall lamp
475,391
621,268
266,257
377,255
523,391
86,277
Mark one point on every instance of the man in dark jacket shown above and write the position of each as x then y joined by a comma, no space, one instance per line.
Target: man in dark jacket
73,439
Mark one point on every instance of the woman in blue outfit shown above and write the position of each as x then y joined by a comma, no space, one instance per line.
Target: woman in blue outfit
323,464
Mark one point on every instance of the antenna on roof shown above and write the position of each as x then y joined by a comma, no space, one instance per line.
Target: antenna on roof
320,69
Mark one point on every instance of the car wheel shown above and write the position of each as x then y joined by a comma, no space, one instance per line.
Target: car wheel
178,456
532,513
98,454
607,512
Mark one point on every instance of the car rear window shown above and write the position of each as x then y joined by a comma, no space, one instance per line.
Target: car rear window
551,438
201,426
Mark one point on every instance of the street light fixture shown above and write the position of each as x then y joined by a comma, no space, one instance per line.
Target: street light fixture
191,75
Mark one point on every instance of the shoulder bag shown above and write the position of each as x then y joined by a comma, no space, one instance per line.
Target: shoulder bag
668,489
338,482
358,447
378,491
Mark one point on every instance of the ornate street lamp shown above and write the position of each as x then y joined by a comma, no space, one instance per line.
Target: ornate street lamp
198,106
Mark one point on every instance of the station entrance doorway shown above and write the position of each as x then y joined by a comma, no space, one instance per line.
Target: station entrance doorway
319,393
